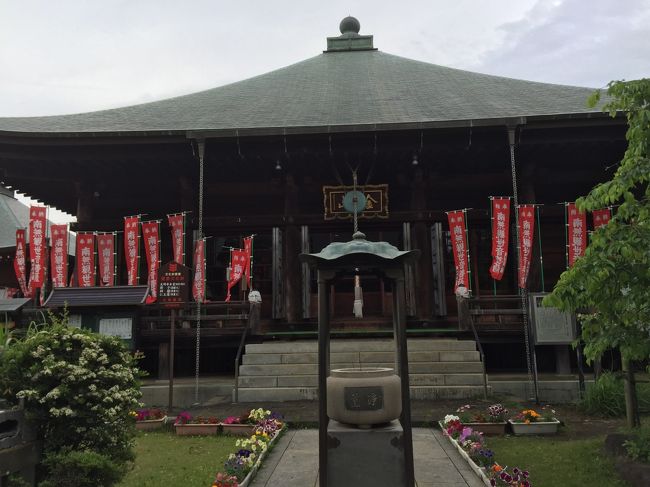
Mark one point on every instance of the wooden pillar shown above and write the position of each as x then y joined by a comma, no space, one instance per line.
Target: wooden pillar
187,193
163,360
423,272
422,240
85,204
292,274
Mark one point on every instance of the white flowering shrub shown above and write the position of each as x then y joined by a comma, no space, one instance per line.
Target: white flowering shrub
79,388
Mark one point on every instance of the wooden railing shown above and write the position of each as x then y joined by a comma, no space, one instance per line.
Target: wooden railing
490,313
217,319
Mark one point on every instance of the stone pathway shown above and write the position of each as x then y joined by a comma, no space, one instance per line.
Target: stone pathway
294,462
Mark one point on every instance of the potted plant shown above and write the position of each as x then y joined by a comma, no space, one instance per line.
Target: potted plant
238,426
530,422
491,422
187,425
149,419
245,424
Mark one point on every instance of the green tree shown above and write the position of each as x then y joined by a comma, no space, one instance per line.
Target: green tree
612,280
79,389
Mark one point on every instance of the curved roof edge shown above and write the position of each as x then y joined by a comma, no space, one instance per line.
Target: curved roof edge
347,91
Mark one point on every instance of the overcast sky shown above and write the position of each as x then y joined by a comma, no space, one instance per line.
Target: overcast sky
68,56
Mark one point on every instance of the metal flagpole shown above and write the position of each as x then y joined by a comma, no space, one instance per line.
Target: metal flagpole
531,359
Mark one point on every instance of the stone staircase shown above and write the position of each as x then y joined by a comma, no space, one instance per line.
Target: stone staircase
288,371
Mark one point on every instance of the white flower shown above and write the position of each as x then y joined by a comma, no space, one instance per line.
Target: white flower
449,418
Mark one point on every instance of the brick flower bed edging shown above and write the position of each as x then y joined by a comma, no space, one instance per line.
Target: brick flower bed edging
258,463
478,471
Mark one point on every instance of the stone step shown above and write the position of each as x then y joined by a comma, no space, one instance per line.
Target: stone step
460,367
359,357
312,380
280,394
361,345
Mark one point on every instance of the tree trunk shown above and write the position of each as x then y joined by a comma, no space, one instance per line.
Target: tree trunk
631,403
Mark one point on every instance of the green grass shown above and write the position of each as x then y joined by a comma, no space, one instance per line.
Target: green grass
553,462
164,459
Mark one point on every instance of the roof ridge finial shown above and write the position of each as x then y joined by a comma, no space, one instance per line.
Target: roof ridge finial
350,26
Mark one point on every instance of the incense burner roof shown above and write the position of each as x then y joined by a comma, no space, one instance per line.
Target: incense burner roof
350,86
358,251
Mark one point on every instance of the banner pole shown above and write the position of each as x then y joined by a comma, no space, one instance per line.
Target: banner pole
494,281
539,239
114,239
137,274
251,262
469,257
566,234
184,236
95,258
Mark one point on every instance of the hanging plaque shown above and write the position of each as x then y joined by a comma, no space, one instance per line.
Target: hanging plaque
376,201
173,285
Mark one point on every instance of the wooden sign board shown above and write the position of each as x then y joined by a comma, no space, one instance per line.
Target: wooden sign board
376,201
173,285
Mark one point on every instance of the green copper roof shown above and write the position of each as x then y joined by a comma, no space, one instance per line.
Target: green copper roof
360,250
334,89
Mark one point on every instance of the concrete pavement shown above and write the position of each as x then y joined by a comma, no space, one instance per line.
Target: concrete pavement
294,462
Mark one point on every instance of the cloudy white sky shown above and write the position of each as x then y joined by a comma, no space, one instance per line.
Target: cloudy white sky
68,56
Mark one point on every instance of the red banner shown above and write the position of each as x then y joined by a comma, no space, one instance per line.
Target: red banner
177,225
577,230
601,217
500,236
248,268
525,244
85,259
59,255
198,285
459,245
151,235
37,229
238,259
19,263
106,258
132,248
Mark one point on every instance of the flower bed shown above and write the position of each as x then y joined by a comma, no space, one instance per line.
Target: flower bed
472,446
491,422
187,425
239,425
241,466
530,422
149,419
